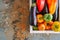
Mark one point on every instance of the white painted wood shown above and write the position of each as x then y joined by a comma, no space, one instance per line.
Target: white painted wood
32,31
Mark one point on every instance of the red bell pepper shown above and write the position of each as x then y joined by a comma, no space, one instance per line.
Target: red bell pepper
40,4
52,5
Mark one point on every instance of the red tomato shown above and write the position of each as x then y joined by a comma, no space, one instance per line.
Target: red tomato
41,27
51,22
47,25
40,4
44,23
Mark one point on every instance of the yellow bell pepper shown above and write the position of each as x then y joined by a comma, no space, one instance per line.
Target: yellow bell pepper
56,26
40,18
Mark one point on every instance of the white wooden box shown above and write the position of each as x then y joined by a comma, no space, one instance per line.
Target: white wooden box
35,31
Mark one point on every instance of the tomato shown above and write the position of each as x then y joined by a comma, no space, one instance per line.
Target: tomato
51,22
40,4
48,26
41,27
44,23
40,18
52,5
56,26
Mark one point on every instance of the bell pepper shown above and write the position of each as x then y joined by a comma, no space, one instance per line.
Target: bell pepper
48,17
56,26
40,5
40,18
52,4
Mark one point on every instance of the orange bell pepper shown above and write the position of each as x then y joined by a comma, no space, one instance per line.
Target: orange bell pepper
52,5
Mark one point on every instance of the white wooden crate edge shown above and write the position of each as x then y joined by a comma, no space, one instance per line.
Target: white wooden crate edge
32,31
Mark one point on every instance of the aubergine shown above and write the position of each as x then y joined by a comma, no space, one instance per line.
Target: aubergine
56,14
33,16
